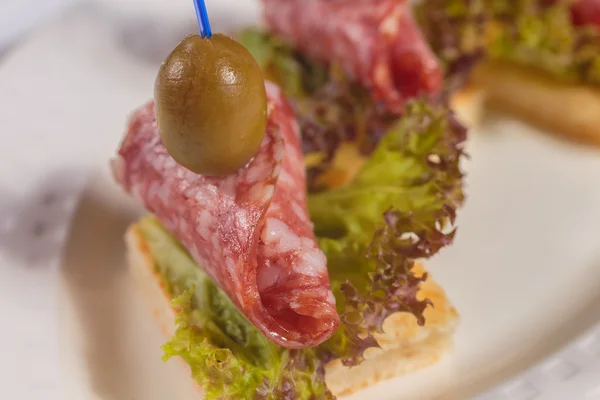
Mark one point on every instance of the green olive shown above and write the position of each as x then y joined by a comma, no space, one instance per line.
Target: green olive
211,105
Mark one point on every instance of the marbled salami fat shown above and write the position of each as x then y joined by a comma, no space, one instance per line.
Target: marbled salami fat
249,231
376,42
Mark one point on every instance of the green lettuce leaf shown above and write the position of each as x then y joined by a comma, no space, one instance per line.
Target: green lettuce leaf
297,75
228,357
524,31
400,207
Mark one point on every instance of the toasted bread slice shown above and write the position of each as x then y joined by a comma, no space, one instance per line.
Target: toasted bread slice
568,109
468,105
405,346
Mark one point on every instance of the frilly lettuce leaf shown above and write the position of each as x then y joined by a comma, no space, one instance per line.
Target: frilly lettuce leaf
226,372
533,32
228,357
400,207
455,31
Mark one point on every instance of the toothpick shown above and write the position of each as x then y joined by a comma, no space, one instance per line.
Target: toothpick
202,16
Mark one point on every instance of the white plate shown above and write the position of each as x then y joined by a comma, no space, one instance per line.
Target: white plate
524,271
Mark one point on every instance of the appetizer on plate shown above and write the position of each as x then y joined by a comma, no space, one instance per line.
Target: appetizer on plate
293,194
538,59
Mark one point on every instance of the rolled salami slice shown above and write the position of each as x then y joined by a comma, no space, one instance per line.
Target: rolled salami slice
376,42
249,231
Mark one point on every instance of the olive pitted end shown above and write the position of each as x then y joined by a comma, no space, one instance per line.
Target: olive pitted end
211,105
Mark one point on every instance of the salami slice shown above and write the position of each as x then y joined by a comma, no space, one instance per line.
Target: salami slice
249,231
376,42
586,12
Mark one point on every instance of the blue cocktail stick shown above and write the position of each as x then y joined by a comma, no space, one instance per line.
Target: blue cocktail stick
202,16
